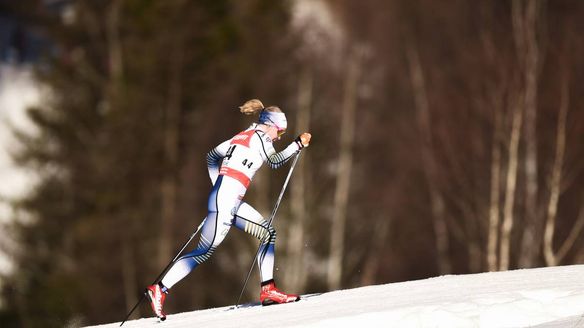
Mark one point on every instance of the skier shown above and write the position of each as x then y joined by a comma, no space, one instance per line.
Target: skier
232,165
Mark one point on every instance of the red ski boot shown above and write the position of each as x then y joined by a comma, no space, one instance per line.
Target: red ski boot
271,295
157,297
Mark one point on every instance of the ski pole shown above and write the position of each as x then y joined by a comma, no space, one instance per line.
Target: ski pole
269,224
165,269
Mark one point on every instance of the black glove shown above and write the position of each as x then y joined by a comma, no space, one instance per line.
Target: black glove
298,141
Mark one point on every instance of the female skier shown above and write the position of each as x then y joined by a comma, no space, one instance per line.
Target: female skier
232,166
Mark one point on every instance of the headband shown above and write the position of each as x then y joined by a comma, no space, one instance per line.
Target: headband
276,119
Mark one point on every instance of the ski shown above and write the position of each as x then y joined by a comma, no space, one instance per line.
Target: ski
303,298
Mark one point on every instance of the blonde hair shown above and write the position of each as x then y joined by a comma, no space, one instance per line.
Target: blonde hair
254,106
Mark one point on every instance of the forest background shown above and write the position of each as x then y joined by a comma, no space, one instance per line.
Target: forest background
447,138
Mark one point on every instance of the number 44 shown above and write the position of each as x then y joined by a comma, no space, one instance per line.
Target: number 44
245,163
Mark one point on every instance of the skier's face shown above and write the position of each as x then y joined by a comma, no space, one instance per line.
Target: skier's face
275,133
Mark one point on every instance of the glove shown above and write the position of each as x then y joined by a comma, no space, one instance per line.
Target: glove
303,140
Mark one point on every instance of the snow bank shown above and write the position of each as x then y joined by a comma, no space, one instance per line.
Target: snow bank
548,297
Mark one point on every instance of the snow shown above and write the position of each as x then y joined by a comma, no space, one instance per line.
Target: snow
18,90
542,297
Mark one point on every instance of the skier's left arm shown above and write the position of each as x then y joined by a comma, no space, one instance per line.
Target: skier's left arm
214,159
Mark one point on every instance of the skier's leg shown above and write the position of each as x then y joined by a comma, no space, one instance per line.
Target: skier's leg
223,202
251,221
213,232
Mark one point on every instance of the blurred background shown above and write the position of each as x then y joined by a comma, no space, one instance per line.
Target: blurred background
448,138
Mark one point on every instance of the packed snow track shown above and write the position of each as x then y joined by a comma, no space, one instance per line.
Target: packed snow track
543,297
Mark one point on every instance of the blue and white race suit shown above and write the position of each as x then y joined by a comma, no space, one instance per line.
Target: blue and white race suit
232,165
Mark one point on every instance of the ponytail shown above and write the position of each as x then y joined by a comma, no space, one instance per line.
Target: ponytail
251,107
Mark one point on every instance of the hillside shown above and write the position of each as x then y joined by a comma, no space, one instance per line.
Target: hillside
543,297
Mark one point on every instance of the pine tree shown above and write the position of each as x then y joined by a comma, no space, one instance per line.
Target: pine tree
137,89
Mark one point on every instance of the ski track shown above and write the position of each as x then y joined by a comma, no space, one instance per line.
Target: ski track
543,298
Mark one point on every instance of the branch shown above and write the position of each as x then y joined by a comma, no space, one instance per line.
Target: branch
574,233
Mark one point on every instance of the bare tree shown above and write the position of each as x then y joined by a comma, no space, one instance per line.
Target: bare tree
296,274
531,57
171,134
378,239
495,193
492,102
437,206
345,163
551,258
510,186
570,241
114,85
524,17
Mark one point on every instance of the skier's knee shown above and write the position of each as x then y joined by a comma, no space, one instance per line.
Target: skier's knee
206,252
272,231
268,235
271,234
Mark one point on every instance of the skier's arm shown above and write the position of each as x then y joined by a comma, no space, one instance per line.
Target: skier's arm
277,159
214,159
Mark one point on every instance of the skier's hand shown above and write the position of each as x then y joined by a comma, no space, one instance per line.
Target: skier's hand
303,140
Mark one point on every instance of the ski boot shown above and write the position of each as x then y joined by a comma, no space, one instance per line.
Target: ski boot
269,294
157,297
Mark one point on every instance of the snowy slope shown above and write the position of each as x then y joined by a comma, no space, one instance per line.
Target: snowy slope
544,297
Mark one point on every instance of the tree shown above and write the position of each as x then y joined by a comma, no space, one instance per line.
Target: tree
113,146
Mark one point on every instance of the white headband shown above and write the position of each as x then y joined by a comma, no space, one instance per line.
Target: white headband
274,118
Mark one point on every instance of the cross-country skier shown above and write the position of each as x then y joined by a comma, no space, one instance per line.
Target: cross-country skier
232,166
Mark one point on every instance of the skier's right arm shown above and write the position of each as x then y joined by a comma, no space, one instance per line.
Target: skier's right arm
276,159
214,159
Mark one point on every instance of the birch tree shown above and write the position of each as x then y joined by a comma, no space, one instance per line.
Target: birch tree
344,169
423,119
531,57
296,274
552,257
510,186
495,191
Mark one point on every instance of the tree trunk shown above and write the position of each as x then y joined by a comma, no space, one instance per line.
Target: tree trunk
517,114
510,188
573,236
374,256
296,273
494,103
129,276
337,241
494,206
114,90
115,54
428,161
169,184
556,178
532,226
